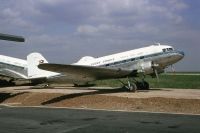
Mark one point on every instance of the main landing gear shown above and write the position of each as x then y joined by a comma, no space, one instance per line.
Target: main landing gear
133,85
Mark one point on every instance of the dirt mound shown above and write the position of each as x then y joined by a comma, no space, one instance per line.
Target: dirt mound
97,101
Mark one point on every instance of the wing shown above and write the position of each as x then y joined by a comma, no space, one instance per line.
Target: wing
87,71
11,38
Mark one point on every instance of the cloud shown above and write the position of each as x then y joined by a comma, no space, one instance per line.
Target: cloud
101,30
178,4
96,27
85,12
132,17
14,18
11,17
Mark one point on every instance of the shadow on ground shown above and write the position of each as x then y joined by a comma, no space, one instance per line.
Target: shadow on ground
6,84
4,96
70,96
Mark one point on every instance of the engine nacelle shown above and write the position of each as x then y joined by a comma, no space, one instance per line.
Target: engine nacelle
148,67
145,67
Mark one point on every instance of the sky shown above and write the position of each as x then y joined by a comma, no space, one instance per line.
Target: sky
66,30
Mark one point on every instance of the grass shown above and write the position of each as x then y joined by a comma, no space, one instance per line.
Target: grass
165,81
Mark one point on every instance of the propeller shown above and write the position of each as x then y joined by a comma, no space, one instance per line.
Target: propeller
173,68
157,76
155,71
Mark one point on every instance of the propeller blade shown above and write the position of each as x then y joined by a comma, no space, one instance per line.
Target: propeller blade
155,71
172,68
157,76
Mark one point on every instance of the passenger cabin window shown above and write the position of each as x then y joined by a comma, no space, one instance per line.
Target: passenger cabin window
133,59
141,57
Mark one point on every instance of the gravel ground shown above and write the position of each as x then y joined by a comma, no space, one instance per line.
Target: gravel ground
155,100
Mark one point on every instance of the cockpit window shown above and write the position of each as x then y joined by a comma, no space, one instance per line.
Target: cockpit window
164,50
170,49
167,49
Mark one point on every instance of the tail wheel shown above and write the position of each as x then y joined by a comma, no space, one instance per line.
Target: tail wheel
11,82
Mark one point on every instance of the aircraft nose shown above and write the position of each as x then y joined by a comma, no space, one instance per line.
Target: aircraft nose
182,53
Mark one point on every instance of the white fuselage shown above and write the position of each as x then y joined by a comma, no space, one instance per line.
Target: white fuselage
139,59
162,55
142,60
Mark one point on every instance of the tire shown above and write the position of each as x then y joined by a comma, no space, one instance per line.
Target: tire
142,85
146,85
132,87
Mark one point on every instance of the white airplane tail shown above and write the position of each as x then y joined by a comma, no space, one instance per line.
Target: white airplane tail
34,59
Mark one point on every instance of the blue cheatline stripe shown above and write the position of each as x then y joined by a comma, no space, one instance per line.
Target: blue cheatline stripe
140,57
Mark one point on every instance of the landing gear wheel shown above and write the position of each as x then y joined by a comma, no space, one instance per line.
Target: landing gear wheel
142,85
131,87
46,85
146,85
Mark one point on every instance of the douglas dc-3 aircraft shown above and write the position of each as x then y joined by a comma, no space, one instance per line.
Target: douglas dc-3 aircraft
150,60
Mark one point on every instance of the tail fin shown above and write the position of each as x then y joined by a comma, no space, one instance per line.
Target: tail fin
34,59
